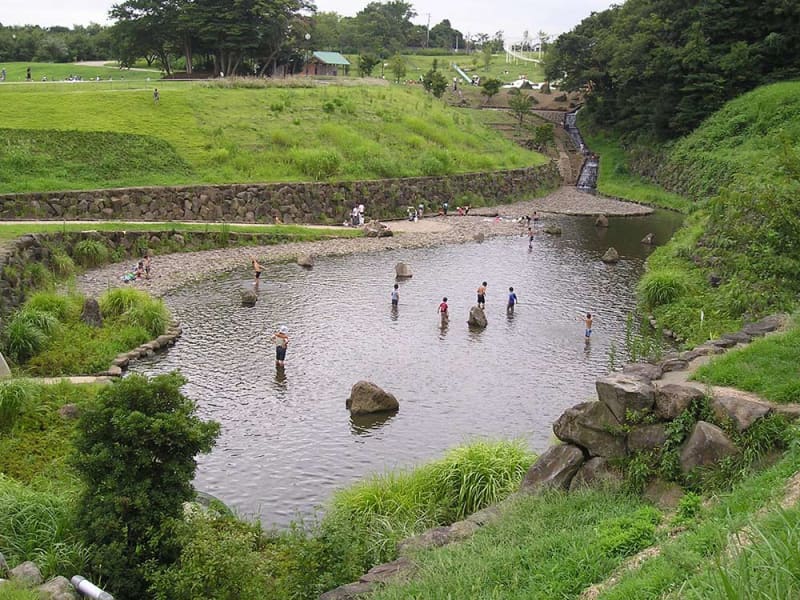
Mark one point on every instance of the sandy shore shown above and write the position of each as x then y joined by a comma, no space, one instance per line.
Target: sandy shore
176,270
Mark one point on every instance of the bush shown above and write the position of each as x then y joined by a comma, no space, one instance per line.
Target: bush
63,308
62,264
37,275
28,333
116,302
661,287
90,253
16,396
137,444
153,316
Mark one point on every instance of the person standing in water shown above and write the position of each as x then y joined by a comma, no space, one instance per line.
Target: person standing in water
588,331
444,311
512,300
281,341
256,271
395,296
482,295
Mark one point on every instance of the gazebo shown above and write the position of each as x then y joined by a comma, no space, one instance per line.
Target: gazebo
327,63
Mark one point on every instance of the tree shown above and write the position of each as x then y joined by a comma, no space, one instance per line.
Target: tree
442,35
366,64
435,83
145,27
486,55
136,456
384,28
520,104
490,88
398,67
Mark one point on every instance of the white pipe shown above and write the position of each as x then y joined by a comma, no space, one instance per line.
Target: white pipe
88,589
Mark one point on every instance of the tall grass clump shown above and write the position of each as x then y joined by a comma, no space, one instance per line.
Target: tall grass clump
28,333
151,315
38,526
388,508
61,307
16,397
116,302
661,287
62,264
90,253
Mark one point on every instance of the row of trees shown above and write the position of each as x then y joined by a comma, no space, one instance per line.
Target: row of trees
55,44
659,67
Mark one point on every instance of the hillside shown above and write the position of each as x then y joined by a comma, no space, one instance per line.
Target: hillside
235,134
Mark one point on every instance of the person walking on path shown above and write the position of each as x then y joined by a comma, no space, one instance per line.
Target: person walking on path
482,295
395,296
281,341
256,271
512,300
444,311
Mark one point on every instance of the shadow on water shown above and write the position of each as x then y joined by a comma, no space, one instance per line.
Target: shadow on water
367,424
287,443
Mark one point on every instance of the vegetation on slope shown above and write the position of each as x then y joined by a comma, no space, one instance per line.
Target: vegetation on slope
267,134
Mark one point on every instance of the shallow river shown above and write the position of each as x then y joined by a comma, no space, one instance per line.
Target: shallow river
287,441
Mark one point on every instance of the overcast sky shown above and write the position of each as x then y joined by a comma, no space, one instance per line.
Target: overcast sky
468,16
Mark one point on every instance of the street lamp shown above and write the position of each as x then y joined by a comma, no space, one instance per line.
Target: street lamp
308,47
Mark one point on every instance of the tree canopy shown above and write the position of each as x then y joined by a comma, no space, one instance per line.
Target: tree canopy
659,67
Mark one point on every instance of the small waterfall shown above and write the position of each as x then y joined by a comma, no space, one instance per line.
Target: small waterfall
587,180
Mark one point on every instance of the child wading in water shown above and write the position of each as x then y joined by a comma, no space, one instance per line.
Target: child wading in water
443,310
588,331
482,295
395,296
281,341
512,300
256,271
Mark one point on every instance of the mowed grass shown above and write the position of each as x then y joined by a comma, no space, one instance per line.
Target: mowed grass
769,367
234,134
55,72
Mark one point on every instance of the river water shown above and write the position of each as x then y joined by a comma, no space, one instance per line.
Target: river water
288,442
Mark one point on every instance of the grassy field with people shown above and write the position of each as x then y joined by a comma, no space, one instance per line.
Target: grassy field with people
229,132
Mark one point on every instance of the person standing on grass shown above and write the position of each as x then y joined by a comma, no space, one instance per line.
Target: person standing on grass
281,341
395,296
156,95
482,295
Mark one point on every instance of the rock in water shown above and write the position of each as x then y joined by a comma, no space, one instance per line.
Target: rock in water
477,317
479,237
611,256
249,298
601,221
649,239
305,260
91,313
552,229
366,398
402,271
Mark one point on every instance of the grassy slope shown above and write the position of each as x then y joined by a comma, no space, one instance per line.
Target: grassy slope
267,134
15,72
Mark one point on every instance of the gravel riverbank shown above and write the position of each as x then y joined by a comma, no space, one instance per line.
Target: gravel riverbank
176,270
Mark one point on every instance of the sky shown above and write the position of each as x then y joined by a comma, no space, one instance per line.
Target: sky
468,16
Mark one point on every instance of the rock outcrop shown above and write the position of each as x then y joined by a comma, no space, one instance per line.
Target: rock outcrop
249,298
553,469
601,221
367,398
305,261
402,271
611,256
477,318
706,446
590,426
623,393
90,314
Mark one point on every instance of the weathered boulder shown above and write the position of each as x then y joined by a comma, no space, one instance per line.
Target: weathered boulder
647,437
305,260
649,239
674,364
68,412
672,399
249,298
706,446
601,221
596,472
621,393
611,256
553,469
376,229
58,588
430,538
114,371
589,426
664,494
27,573
392,571
790,411
402,271
479,237
552,229
738,337
477,317
740,408
366,398
646,371
765,325
90,314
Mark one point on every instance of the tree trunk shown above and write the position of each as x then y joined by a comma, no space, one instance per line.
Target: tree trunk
187,52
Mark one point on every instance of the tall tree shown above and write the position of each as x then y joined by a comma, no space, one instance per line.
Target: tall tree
146,27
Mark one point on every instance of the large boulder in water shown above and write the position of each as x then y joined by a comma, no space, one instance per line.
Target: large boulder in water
249,298
611,256
601,221
477,317
366,398
649,239
402,271
91,313
305,260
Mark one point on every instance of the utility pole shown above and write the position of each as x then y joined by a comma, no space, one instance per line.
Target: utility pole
428,31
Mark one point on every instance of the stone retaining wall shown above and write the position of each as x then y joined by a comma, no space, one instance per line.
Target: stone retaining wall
290,202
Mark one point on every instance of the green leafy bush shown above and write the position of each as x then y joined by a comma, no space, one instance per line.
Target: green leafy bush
138,442
90,253
661,287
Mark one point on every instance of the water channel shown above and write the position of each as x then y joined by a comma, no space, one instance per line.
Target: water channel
287,441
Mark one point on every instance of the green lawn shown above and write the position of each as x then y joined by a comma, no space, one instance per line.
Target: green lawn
59,72
236,134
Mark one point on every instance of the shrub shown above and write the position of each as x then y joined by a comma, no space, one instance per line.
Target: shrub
138,442
116,302
62,264
37,275
61,307
28,333
661,287
16,396
318,164
90,253
152,316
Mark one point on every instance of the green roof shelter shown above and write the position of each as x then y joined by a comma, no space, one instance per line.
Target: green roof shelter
327,63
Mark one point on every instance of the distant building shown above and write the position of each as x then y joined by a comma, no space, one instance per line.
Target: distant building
327,63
